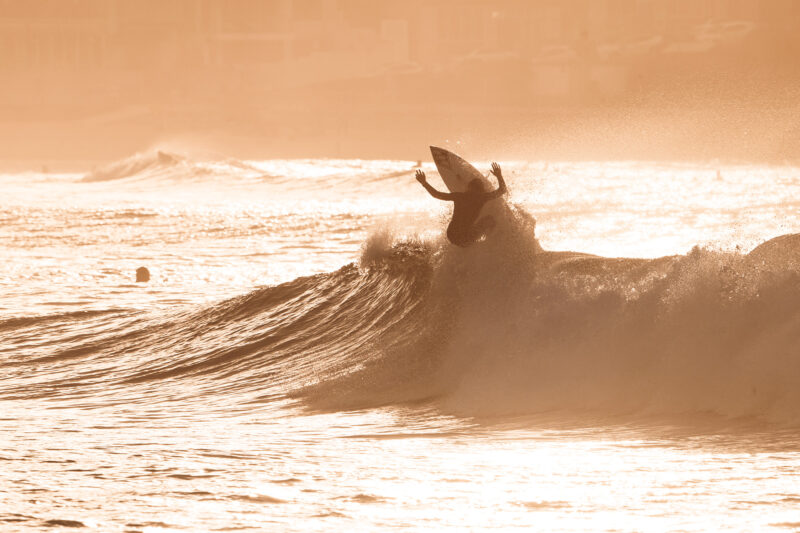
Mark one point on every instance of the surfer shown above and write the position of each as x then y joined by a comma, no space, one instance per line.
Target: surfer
463,229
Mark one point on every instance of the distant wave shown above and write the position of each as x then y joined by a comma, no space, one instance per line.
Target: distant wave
134,165
498,328
157,165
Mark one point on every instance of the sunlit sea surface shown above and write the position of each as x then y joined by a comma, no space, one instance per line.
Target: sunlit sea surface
310,354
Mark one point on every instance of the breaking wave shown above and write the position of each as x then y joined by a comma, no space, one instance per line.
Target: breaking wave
499,328
159,165
135,164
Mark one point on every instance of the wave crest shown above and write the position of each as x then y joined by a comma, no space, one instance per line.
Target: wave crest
135,164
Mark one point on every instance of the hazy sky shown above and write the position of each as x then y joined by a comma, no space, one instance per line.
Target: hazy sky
352,77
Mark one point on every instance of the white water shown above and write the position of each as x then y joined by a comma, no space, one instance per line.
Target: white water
165,410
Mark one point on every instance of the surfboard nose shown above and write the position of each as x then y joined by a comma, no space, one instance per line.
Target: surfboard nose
439,155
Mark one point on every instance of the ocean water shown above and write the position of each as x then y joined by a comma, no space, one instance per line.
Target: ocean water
622,353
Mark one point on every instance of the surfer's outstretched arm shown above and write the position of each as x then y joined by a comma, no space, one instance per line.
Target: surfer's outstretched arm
502,189
420,175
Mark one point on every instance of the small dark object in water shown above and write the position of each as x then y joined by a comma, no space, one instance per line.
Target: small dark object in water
142,274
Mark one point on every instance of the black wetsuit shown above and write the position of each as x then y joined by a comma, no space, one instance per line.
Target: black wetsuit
463,229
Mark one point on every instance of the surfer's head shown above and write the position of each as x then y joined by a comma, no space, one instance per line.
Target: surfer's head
475,185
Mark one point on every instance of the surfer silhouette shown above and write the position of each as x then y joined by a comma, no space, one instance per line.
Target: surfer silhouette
464,229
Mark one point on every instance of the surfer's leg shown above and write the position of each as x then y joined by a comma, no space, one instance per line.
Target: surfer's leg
483,226
457,236
465,236
472,235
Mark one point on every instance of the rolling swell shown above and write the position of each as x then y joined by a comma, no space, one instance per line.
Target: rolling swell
508,329
133,165
159,166
252,347
498,328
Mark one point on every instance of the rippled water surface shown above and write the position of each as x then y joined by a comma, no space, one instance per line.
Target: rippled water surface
311,355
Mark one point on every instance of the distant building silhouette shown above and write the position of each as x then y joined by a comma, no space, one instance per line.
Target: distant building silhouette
315,70
281,43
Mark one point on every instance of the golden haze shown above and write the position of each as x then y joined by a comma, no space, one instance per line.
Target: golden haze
656,79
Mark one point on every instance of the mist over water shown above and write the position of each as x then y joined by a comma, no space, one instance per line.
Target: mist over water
311,354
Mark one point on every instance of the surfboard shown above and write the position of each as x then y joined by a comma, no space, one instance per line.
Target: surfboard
457,172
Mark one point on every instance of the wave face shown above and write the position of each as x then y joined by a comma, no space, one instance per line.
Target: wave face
499,328
515,331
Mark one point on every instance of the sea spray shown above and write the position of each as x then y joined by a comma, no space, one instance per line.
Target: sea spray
529,331
708,333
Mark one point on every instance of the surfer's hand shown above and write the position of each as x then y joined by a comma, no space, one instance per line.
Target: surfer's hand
496,170
420,175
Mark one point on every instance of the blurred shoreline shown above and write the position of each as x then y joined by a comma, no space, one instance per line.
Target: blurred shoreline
726,131
495,79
